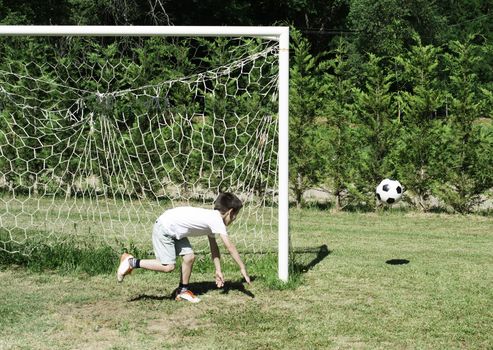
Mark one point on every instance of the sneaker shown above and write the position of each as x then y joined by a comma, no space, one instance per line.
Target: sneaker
188,296
124,268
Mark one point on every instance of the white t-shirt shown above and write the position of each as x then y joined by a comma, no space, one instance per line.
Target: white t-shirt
190,221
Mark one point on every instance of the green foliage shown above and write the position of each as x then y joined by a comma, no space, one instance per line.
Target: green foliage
341,132
377,115
421,132
467,17
407,93
404,118
383,19
307,94
469,164
88,77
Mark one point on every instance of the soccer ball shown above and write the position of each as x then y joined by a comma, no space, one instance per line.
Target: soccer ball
389,191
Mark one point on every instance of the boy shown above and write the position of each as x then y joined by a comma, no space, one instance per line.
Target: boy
170,238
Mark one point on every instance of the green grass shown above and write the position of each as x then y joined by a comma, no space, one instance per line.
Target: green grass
91,259
342,295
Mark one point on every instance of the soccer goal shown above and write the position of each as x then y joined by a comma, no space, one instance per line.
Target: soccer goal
104,127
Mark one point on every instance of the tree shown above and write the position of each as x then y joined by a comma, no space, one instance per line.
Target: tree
467,17
387,27
376,111
305,101
342,135
36,11
468,165
419,136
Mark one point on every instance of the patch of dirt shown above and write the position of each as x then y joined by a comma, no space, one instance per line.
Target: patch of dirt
105,323
166,326
90,326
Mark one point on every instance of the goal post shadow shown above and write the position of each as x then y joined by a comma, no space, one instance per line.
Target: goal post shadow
302,260
305,259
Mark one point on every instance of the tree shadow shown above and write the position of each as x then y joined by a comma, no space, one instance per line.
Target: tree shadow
302,262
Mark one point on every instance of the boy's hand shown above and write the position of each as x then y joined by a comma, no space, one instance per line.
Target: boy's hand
245,275
219,279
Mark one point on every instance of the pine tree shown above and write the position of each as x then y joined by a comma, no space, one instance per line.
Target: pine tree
468,165
377,114
420,133
342,138
304,133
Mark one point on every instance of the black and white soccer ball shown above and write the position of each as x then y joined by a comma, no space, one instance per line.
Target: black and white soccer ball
389,191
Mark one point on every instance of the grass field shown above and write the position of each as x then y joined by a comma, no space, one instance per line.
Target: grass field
346,294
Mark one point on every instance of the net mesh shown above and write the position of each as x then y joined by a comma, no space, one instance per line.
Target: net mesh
98,136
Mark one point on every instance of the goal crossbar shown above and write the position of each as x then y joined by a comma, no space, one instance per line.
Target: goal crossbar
67,30
279,33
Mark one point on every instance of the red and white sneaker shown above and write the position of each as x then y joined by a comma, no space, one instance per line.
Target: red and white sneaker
124,268
188,296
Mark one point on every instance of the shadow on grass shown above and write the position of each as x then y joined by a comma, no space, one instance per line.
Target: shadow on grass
301,266
150,297
397,262
303,260
200,288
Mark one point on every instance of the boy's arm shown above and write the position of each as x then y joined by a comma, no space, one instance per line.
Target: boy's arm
234,253
216,258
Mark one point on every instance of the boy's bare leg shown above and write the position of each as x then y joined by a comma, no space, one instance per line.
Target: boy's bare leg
128,263
183,293
155,265
186,268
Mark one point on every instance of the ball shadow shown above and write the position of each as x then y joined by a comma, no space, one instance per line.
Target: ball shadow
397,262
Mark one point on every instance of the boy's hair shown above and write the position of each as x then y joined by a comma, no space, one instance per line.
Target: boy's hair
226,201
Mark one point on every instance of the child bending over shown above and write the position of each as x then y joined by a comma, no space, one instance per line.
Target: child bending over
170,238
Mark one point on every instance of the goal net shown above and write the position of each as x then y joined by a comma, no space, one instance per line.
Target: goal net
99,134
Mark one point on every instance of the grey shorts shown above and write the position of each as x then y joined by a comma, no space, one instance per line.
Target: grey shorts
166,248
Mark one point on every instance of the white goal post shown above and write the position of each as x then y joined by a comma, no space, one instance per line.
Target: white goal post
279,34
